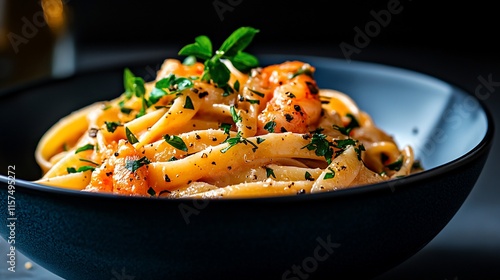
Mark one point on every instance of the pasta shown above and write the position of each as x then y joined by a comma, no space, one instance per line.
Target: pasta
221,130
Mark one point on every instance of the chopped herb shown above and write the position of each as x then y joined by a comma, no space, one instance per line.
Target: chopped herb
252,101
130,136
270,172
84,148
89,161
236,118
257,92
232,141
270,126
260,140
189,103
291,95
308,176
226,127
166,178
359,149
173,158
349,127
167,86
80,169
176,142
236,85
133,165
320,145
329,175
65,147
112,126
396,165
305,69
151,191
126,110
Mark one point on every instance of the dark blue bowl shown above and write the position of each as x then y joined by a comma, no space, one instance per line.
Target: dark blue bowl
355,233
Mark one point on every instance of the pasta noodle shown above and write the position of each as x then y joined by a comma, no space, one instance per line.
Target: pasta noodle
268,131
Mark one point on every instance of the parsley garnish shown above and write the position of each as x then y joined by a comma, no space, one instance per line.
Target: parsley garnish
151,191
80,169
349,127
133,165
270,126
320,145
84,148
167,86
176,142
226,127
236,118
232,141
133,85
130,136
270,172
112,126
396,165
189,103
308,176
329,175
231,49
305,69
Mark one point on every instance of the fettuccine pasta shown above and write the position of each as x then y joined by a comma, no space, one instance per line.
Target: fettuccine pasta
266,131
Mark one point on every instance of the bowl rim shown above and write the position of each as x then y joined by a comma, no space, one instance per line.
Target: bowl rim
484,146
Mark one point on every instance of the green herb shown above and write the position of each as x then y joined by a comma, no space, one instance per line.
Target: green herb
252,101
349,127
80,169
176,142
84,148
269,172
359,149
189,103
151,191
88,161
236,118
260,140
236,85
133,85
167,86
396,165
308,176
270,126
257,92
226,127
231,49
232,141
112,126
329,175
125,110
320,145
133,165
306,70
130,136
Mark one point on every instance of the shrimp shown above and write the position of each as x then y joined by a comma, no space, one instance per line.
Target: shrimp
124,172
294,104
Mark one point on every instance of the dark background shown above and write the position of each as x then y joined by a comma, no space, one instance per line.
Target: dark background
452,41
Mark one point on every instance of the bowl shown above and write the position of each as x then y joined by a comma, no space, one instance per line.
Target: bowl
355,233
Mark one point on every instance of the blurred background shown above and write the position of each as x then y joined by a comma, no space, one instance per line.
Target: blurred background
55,39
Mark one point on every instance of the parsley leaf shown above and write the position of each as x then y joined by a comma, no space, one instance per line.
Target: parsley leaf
232,141
270,172
84,148
270,126
133,165
321,146
130,136
231,49
176,142
112,126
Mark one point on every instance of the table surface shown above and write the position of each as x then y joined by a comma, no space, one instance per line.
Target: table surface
467,248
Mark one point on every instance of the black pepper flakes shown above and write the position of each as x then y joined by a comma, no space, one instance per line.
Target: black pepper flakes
167,179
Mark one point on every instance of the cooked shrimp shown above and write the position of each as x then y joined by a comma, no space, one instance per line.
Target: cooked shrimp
115,174
294,104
